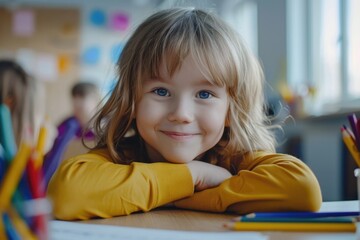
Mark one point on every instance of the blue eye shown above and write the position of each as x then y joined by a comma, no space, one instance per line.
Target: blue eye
162,92
204,95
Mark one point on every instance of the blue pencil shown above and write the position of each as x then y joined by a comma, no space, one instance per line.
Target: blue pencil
298,220
302,214
9,228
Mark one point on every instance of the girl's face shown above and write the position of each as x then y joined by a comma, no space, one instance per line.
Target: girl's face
84,107
182,116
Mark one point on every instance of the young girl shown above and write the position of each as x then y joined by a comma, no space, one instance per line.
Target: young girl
192,93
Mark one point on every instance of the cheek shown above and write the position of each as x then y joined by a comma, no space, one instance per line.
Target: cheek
217,116
147,114
213,122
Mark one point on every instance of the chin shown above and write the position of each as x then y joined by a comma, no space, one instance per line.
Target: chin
179,160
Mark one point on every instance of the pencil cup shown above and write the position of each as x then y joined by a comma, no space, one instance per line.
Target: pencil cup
357,175
38,211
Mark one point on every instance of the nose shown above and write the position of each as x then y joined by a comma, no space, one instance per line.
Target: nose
181,111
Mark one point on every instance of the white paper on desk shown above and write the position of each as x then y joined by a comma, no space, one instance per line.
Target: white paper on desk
60,230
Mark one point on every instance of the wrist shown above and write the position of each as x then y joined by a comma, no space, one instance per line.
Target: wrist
193,172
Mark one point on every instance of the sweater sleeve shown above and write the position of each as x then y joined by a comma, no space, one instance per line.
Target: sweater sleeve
90,185
265,182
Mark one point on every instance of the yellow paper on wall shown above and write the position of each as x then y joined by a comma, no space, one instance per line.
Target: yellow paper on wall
63,63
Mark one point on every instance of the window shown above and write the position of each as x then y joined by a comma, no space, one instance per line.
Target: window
353,48
324,53
242,16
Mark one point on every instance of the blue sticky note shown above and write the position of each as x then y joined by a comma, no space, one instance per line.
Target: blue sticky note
91,55
98,18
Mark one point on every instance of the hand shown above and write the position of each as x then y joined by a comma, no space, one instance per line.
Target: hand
206,175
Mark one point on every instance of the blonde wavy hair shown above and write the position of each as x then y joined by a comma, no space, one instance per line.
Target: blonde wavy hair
219,52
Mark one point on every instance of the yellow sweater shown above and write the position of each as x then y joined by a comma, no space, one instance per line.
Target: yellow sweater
90,185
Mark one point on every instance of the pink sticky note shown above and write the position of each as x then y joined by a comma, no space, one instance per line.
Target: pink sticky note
119,21
23,23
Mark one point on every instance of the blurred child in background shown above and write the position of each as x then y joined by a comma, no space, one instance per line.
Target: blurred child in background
85,98
24,96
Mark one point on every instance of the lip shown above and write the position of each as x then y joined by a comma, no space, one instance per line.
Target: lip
180,136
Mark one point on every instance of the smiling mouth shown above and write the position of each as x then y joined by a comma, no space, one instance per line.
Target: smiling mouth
179,135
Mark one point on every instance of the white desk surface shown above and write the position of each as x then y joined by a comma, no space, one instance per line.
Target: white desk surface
343,206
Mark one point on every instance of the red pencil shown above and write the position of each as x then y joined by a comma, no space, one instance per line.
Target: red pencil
37,187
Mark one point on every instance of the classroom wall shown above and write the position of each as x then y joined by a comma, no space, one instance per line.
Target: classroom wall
107,40
90,55
45,41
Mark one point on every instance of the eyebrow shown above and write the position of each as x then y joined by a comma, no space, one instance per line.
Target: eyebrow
207,82
159,79
202,82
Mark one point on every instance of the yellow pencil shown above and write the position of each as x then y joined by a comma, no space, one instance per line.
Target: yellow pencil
293,227
21,227
13,175
2,227
351,146
40,146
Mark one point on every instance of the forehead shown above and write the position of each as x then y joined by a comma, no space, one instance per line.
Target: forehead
188,71
185,68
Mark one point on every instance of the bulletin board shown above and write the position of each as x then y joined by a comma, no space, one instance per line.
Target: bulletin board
46,42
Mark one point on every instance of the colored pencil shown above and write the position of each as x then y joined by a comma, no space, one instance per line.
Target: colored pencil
300,219
292,227
7,138
37,188
302,214
353,123
20,225
351,146
349,132
40,147
9,228
3,164
13,175
2,227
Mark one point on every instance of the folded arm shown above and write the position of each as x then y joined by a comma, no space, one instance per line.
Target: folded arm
90,186
265,182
